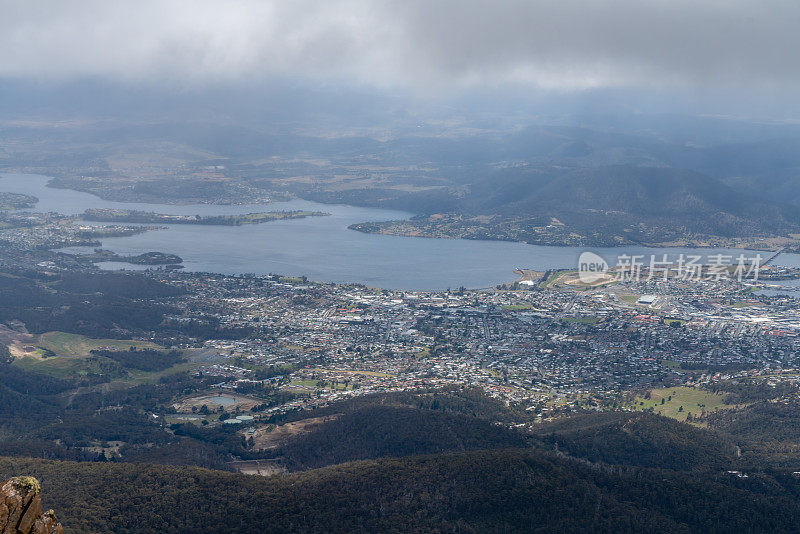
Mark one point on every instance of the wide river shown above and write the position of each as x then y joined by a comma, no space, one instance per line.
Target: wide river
322,248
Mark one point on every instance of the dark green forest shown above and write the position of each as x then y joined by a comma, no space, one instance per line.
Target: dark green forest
510,490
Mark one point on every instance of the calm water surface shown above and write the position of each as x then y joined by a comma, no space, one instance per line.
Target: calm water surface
322,248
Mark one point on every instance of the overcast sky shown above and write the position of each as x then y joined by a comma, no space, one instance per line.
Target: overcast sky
416,44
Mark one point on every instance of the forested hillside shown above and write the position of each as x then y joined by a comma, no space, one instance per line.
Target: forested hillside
380,431
498,491
640,439
604,205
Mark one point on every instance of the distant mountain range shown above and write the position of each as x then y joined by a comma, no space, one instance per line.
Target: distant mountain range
605,180
607,205
631,196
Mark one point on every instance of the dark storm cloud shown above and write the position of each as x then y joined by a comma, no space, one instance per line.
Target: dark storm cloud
414,43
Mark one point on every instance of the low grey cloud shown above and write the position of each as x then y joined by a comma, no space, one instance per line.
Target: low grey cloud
408,43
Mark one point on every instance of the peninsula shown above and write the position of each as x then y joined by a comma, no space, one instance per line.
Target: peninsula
135,216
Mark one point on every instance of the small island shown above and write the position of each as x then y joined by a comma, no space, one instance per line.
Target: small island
134,216
148,258
17,201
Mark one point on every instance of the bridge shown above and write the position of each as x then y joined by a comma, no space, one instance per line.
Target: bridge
775,255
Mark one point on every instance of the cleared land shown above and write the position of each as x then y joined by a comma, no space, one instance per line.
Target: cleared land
64,355
228,402
19,343
71,367
270,436
60,367
679,402
354,372
74,345
584,319
313,384
263,468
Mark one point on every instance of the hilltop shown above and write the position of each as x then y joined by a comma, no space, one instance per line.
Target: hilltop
610,205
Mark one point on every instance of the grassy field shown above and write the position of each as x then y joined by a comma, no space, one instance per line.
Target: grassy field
681,401
552,278
139,377
75,368
312,384
71,360
586,319
74,345
517,307
629,298
61,367
365,373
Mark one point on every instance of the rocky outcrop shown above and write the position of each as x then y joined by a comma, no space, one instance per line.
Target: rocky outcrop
21,509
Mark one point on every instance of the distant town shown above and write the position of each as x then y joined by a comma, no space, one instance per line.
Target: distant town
547,342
